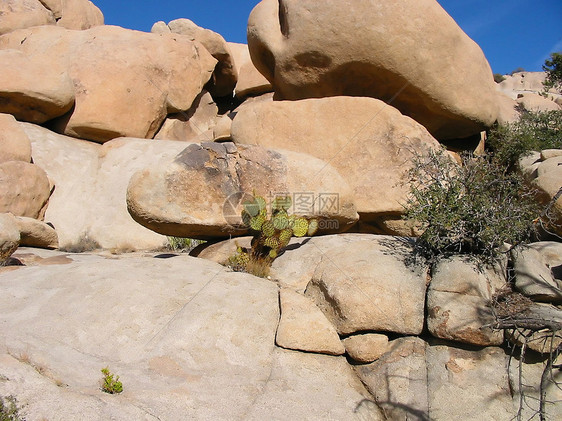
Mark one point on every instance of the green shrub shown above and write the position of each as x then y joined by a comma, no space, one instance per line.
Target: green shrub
183,245
473,209
498,77
553,69
9,410
534,131
109,384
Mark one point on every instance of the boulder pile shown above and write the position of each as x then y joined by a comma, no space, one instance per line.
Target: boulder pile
113,140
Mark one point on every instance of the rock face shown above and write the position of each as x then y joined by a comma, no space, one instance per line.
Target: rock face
368,142
25,189
538,271
148,75
303,327
9,236
225,74
363,287
196,346
199,194
409,56
250,81
33,88
18,14
89,210
14,143
458,302
70,14
36,233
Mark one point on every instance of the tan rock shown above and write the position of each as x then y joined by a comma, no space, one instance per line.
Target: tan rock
507,110
160,27
534,266
550,153
90,211
33,88
537,103
25,189
225,74
523,83
14,143
459,301
9,237
222,130
78,14
148,75
199,193
410,56
367,286
548,181
367,347
18,14
368,142
193,125
250,81
36,233
303,326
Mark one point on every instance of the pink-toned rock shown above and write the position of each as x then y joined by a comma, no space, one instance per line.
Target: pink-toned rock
14,143
36,233
33,88
16,14
24,188
366,347
9,236
407,54
77,14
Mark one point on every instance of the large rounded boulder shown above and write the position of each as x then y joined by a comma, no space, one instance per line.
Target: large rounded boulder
410,54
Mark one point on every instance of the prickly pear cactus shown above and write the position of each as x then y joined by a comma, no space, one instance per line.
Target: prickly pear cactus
271,235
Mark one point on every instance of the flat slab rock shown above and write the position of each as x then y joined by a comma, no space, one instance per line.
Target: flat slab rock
188,339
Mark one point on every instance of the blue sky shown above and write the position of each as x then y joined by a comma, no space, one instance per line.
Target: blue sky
512,33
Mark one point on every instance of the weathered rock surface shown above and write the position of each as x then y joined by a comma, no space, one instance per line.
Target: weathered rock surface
33,88
459,301
408,56
193,125
9,236
523,83
36,233
14,143
366,347
75,14
18,14
148,75
546,175
538,271
303,326
250,81
537,103
25,189
199,194
225,74
88,207
367,286
200,345
368,142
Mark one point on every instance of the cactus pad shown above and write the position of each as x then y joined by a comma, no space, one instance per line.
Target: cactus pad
280,221
300,227
312,227
256,222
272,242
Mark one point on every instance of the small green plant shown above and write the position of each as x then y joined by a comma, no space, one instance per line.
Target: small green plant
498,77
534,131
183,245
270,234
9,410
109,384
470,209
553,69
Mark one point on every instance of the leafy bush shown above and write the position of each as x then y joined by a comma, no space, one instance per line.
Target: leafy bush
474,208
270,235
534,131
183,245
498,77
9,410
109,384
553,69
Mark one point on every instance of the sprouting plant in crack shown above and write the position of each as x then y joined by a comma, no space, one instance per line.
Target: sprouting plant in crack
110,382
